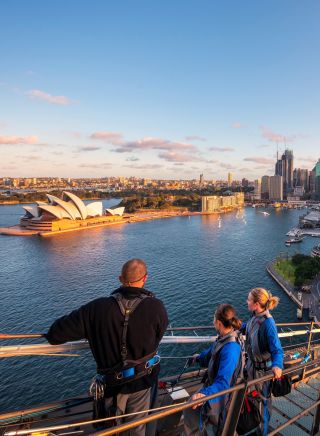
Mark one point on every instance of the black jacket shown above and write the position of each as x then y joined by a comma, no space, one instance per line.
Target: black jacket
101,321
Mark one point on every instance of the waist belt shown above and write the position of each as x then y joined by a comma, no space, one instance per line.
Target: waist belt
134,370
117,376
262,366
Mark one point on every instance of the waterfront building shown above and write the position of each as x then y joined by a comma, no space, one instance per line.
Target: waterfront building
316,171
67,213
265,187
230,178
215,203
257,189
276,188
310,220
210,203
298,191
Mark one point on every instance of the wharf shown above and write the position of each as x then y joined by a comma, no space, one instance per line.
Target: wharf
304,232
286,286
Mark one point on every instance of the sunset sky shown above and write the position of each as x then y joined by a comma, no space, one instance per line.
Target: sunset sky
159,89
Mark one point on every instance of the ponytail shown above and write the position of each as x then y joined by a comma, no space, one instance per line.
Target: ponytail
273,302
227,315
264,298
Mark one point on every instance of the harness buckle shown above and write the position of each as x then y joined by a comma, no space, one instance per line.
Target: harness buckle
155,360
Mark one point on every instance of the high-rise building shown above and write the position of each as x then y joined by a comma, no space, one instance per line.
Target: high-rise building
230,178
245,182
276,188
287,171
257,189
201,180
316,171
265,187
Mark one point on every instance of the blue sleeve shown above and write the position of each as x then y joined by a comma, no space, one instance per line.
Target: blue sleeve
203,357
243,327
274,343
228,361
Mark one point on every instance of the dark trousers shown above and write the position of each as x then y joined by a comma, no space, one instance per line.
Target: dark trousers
129,403
192,424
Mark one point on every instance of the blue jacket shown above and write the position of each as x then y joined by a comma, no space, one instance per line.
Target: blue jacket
228,359
269,341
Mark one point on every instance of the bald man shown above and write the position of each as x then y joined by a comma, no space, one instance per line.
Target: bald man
124,331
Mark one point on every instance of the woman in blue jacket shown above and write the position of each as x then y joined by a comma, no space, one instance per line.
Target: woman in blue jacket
224,361
263,348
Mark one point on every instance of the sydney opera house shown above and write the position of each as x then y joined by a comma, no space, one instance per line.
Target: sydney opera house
67,213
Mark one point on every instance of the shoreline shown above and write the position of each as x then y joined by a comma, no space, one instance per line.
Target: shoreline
284,284
17,230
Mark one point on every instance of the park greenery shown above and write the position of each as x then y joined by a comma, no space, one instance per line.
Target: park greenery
161,202
299,270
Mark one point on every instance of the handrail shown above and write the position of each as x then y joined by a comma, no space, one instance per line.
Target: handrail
170,329
162,414
18,350
190,404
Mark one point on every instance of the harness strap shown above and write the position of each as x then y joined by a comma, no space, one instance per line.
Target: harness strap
126,310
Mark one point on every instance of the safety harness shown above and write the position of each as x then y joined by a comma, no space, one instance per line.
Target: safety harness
261,361
126,370
215,413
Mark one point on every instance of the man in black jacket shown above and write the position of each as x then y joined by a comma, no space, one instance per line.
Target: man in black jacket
124,331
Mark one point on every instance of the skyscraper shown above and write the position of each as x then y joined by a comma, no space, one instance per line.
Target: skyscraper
276,188
230,178
265,187
284,168
316,171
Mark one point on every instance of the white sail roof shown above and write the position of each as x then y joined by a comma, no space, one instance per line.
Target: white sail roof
56,211
116,211
78,203
32,210
71,207
94,209
68,206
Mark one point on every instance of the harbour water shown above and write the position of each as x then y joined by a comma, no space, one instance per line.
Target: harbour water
194,263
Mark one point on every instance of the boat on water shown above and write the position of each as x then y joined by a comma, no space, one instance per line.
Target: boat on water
74,415
315,252
295,240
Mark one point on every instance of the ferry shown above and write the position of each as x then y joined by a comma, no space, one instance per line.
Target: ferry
295,240
295,414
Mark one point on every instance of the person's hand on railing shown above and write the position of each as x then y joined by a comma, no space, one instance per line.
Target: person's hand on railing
277,372
197,396
193,360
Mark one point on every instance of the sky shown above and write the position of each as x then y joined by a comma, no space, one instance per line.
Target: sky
163,89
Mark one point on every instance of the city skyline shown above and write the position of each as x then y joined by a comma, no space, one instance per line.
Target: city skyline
162,91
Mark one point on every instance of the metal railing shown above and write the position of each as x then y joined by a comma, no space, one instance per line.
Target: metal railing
238,392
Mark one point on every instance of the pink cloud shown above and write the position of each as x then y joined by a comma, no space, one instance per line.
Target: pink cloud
172,156
195,138
88,148
109,137
227,166
150,143
52,99
276,137
15,140
222,149
144,166
96,166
